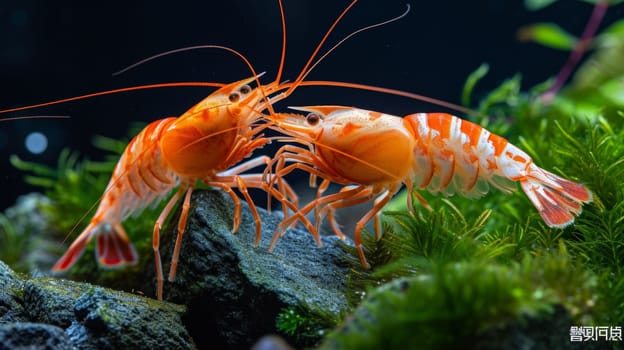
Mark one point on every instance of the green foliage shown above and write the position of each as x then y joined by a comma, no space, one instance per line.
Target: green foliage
306,324
549,35
537,4
73,186
597,87
453,304
472,80
13,244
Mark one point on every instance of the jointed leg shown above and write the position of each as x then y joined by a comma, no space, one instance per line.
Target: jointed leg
364,194
313,204
181,228
252,207
156,240
256,181
380,202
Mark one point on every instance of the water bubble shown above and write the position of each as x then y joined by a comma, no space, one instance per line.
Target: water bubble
36,142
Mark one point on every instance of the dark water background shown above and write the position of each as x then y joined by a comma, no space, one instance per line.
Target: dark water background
56,49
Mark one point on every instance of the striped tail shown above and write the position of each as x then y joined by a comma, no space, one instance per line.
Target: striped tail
558,200
113,248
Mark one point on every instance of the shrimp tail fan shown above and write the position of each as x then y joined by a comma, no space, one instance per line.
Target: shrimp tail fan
558,200
113,248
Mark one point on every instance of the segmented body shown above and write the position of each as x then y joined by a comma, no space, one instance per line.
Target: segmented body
373,154
201,145
141,176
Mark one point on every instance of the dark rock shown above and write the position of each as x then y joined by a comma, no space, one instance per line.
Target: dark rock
50,300
33,336
235,290
11,309
98,318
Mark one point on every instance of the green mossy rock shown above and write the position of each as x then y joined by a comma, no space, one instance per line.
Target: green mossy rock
462,305
11,309
86,316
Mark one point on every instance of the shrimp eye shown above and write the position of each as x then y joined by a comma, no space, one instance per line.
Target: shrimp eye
234,97
245,89
313,118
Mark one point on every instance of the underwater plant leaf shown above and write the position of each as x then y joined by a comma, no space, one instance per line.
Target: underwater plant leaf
12,244
611,34
506,93
534,5
38,169
548,35
109,144
472,80
598,82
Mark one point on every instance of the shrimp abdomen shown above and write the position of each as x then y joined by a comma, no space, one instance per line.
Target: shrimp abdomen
141,177
456,156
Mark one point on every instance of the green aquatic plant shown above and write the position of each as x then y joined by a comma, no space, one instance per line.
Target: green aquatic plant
306,324
13,244
458,303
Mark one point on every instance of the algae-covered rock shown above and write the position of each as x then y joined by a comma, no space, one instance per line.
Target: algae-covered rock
50,313
11,309
99,318
233,289
51,300
33,336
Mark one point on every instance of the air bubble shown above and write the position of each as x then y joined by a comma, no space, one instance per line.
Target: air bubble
36,142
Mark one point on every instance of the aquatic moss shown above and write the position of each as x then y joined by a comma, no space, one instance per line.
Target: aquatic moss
457,303
306,324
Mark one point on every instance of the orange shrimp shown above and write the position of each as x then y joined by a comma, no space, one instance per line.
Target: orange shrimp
373,154
204,144
200,145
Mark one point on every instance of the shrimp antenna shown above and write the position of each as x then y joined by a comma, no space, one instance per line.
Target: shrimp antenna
310,66
36,117
171,52
306,71
114,91
303,76
317,49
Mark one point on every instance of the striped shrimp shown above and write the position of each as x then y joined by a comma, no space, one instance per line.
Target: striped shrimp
373,154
